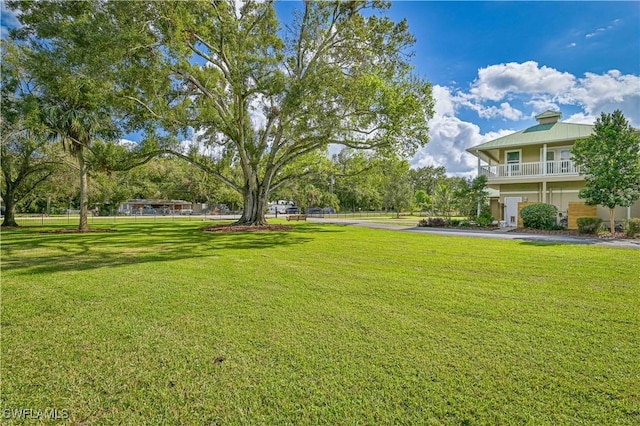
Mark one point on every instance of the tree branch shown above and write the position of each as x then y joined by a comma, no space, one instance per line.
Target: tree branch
207,169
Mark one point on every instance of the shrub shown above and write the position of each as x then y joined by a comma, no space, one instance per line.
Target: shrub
465,224
485,219
632,227
539,216
455,222
433,222
589,225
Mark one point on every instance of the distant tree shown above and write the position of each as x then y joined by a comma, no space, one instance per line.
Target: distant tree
398,195
358,180
397,191
609,159
443,198
426,178
422,199
27,158
471,196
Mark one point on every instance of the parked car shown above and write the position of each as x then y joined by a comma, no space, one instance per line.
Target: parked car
292,210
146,210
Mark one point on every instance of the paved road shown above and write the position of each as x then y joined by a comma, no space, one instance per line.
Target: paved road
498,234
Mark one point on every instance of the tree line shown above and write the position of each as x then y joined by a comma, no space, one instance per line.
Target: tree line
350,181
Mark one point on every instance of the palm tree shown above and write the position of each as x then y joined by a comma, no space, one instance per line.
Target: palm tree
75,128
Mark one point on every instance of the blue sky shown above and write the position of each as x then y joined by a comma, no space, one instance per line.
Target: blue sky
495,65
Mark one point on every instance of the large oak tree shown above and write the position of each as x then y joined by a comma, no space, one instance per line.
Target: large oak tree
261,94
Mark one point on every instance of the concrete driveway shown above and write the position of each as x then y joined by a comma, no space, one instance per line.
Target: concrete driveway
500,234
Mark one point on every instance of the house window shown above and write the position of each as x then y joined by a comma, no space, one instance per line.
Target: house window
513,162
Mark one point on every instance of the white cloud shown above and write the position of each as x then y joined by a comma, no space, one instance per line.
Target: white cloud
542,88
444,101
605,93
449,136
596,32
128,143
541,104
505,110
601,30
581,118
496,81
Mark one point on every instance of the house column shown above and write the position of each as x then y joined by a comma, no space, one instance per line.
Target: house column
479,168
543,163
544,191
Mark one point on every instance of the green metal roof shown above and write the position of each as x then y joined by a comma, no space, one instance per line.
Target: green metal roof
538,134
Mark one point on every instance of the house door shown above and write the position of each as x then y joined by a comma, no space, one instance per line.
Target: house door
511,210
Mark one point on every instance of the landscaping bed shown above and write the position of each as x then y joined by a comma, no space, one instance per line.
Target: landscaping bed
573,233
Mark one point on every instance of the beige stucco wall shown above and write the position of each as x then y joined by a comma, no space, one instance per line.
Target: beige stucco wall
528,191
621,212
560,194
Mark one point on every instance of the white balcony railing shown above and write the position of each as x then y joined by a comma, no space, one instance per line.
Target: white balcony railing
539,168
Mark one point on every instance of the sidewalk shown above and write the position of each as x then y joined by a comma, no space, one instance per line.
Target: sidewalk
500,234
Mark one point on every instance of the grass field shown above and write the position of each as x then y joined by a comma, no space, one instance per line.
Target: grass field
161,323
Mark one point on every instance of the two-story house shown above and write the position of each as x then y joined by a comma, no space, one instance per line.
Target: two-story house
534,165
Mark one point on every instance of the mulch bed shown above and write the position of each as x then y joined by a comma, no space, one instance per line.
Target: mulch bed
469,228
570,232
246,228
575,233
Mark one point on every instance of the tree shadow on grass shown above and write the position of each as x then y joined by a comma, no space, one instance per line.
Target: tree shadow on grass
544,243
33,252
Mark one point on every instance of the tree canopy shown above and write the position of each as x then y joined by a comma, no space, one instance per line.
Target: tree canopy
610,162
262,94
27,159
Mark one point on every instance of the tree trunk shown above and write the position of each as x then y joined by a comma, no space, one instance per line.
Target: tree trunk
255,201
10,207
84,211
612,221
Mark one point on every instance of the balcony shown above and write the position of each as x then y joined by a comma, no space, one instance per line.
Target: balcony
530,170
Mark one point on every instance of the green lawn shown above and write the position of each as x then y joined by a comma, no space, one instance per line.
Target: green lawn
160,323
